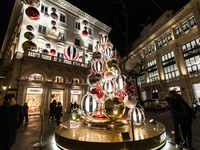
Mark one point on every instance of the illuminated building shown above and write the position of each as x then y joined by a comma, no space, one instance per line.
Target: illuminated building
46,53
169,50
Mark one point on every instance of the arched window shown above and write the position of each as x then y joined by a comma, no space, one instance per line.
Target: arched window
58,79
75,81
36,76
155,93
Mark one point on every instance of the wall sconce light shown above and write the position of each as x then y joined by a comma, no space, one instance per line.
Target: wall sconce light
4,88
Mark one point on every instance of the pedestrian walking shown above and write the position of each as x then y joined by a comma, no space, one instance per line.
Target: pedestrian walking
182,116
11,119
25,108
52,110
58,112
71,107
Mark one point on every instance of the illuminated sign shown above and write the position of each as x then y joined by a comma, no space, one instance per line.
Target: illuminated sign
34,90
76,92
163,137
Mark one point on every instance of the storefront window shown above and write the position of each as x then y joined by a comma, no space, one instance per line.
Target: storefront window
34,99
75,96
35,76
57,95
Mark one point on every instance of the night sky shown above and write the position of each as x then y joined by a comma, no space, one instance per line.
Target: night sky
140,14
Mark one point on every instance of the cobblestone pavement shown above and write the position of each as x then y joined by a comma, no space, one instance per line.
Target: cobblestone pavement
29,134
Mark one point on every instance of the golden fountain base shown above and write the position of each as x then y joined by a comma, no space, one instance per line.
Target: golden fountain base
88,135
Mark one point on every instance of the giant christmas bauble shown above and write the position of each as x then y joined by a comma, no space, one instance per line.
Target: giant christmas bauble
120,82
97,91
112,65
89,104
29,45
98,66
94,79
130,87
29,35
121,94
108,52
33,3
113,108
32,13
108,75
71,53
137,115
108,87
104,40
96,55
130,102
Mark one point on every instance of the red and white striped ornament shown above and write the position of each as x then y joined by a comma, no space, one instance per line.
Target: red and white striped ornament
103,40
71,53
98,66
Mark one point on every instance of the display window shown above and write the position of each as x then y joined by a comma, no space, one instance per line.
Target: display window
34,99
57,95
197,90
35,76
75,96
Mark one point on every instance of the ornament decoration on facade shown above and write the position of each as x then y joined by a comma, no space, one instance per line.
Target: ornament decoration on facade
71,53
85,31
53,14
32,13
30,27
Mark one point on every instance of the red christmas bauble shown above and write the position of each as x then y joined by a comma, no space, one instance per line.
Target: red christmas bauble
130,87
52,51
121,94
32,13
96,90
85,33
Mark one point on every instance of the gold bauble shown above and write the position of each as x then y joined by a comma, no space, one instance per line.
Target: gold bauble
113,108
29,45
112,65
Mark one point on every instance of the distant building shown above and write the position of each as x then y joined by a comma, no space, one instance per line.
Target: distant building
37,62
170,50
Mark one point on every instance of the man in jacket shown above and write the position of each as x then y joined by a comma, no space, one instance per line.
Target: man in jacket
182,116
10,120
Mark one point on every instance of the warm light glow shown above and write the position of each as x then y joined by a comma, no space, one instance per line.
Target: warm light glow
4,87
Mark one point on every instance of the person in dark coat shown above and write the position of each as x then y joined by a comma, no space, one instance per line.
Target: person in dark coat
71,107
52,109
11,118
25,108
58,112
182,116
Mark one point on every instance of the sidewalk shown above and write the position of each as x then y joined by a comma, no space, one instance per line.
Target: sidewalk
29,134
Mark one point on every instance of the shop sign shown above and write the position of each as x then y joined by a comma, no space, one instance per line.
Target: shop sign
76,92
34,90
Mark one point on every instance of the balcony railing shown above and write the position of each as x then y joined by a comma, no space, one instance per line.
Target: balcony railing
50,58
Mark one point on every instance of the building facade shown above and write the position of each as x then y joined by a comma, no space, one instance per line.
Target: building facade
169,50
46,53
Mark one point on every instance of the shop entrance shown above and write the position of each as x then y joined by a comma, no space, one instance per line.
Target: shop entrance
57,95
75,96
34,99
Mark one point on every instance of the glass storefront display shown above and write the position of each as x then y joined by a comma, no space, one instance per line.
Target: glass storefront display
75,96
34,99
57,95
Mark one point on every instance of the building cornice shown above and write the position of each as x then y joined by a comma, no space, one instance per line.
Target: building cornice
76,11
